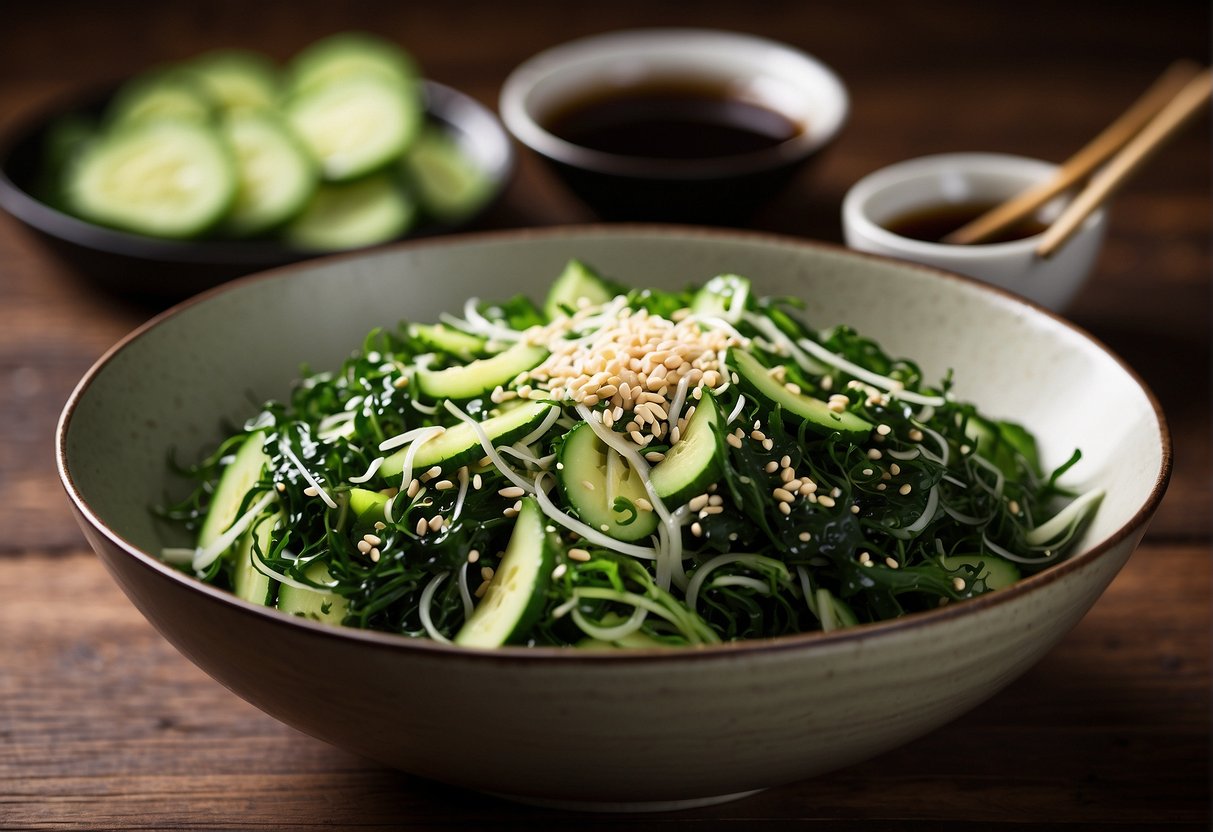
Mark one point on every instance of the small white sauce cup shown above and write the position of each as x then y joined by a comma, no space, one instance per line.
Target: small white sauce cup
933,181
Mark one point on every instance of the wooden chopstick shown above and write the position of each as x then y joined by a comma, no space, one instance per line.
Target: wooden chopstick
1190,100
1082,163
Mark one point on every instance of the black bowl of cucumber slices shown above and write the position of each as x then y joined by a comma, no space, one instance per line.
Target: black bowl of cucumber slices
190,174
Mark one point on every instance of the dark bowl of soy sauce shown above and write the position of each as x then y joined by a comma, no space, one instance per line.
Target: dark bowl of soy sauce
683,125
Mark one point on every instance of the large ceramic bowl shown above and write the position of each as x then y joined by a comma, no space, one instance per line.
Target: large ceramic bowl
639,729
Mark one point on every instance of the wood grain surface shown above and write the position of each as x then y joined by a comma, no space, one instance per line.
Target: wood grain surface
104,726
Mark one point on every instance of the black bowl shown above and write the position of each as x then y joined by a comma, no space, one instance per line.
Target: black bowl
172,269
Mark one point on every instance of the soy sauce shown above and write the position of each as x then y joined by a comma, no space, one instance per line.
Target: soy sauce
934,223
671,119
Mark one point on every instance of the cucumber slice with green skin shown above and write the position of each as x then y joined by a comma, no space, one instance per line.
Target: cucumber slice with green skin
593,476
351,215
797,407
237,79
313,604
515,596
449,184
998,573
249,582
449,340
357,125
161,178
724,297
577,281
276,177
350,54
459,444
696,460
174,94
367,504
476,378
238,479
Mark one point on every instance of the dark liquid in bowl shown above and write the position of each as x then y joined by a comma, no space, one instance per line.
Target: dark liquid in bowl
935,222
670,120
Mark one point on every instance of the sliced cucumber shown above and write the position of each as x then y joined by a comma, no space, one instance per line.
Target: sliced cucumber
366,503
174,94
998,573
249,582
576,282
724,296
356,125
449,340
159,177
593,477
237,79
514,599
460,445
313,604
238,479
797,407
696,460
449,184
350,54
276,177
476,378
353,214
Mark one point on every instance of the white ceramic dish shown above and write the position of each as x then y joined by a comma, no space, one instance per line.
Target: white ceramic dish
958,178
637,730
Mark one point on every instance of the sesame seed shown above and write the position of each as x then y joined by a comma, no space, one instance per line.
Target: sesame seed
698,503
436,522
509,512
311,491
964,449
785,461
782,495
712,510
826,501
792,388
905,489
892,564
511,491
805,537
443,485
364,547
486,573
715,500
480,590
422,527
894,469
281,486
767,444
414,487
959,584
375,555
785,508
881,487
579,555
874,453
915,435
380,525
473,555
643,504
559,571
771,467
697,530
865,558
373,539
854,508
757,435
477,482
1013,507
733,440
401,382
808,487
787,475
654,456
883,430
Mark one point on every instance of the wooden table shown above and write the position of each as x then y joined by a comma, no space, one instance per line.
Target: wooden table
103,725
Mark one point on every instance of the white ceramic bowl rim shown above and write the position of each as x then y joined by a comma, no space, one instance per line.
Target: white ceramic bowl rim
746,56
855,205
526,655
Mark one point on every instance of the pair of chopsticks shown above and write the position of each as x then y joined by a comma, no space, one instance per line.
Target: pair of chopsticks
1124,145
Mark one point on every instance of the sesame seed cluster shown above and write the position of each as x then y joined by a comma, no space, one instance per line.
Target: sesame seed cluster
636,363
